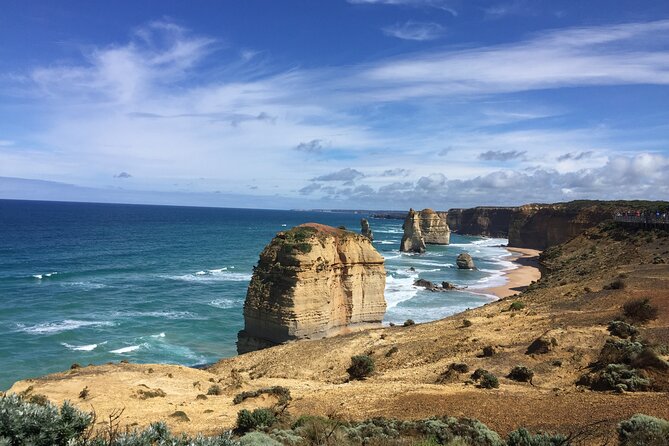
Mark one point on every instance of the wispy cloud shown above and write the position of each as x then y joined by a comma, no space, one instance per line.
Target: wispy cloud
575,156
346,174
415,30
313,146
444,5
498,155
123,175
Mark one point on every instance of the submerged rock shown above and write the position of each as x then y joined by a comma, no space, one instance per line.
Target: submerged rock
365,229
310,282
431,286
465,261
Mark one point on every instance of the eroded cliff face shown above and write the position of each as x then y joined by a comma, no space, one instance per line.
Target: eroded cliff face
434,228
539,226
485,221
310,282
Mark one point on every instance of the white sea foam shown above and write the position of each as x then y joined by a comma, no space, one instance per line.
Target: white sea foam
82,348
399,289
43,275
159,335
123,350
163,314
213,275
60,326
225,303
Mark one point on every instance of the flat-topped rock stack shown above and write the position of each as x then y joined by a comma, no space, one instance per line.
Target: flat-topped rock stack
425,227
310,282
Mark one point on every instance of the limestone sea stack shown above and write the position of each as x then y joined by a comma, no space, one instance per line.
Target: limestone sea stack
412,240
310,282
434,228
366,230
426,227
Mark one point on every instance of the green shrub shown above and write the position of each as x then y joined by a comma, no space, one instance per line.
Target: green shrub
258,439
361,367
215,390
248,421
619,377
392,351
521,373
467,323
516,306
522,437
619,351
617,284
452,372
622,329
643,430
489,381
408,323
25,423
282,393
448,429
488,351
640,310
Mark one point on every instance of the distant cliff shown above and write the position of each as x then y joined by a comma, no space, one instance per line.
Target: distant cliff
312,281
485,221
539,226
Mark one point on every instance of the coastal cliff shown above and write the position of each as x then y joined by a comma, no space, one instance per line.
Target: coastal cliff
539,226
484,220
310,282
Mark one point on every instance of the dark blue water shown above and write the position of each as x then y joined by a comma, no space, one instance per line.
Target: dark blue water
92,283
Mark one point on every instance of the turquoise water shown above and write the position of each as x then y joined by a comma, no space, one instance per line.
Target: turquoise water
92,283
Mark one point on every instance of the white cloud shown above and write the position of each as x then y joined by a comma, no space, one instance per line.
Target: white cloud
146,107
411,30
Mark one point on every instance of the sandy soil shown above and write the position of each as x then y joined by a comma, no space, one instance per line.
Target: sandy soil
518,278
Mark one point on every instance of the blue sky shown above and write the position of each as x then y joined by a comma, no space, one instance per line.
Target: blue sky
334,104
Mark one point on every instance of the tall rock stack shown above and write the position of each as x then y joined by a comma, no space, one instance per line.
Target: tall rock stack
366,230
310,282
434,228
426,227
412,240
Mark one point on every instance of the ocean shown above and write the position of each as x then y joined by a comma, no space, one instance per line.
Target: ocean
92,283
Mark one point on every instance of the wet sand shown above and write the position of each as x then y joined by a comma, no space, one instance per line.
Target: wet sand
517,279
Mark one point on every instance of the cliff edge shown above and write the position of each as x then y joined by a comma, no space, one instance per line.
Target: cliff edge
310,282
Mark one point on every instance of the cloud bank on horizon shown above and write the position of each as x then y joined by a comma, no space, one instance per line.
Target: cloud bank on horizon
419,103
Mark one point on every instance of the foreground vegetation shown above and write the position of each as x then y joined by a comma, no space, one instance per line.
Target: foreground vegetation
40,423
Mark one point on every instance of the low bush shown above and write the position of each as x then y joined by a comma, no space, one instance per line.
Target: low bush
522,437
408,323
392,351
361,367
25,423
488,351
622,329
215,390
516,306
259,418
643,430
467,323
619,351
452,372
282,393
618,377
616,284
640,310
521,374
489,381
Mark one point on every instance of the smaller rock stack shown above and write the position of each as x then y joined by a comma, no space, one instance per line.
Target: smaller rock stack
412,240
366,231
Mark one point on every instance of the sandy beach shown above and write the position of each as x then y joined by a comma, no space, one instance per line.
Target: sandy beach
527,262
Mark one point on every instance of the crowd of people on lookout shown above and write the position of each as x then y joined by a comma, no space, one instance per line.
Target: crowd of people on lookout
639,216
